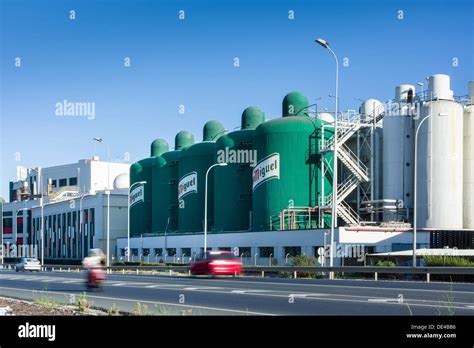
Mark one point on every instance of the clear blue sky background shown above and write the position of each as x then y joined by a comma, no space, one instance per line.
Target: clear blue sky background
190,62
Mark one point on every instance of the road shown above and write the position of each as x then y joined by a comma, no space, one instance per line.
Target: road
247,296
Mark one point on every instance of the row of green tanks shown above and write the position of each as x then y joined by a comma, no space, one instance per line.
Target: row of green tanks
271,166
153,187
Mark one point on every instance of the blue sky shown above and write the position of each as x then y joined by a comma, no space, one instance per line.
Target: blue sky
190,62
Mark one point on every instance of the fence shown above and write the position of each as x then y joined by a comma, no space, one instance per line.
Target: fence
262,270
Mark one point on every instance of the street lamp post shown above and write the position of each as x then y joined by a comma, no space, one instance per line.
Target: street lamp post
128,217
325,44
100,140
40,191
205,203
81,221
415,194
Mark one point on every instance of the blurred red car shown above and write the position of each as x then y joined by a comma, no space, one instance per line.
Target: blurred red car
217,263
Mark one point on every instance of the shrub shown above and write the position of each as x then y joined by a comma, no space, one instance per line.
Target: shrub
114,310
140,309
447,261
385,263
82,303
304,261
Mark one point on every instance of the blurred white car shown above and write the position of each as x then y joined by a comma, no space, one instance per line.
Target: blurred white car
28,264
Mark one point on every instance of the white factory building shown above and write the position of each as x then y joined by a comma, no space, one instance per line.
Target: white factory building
73,200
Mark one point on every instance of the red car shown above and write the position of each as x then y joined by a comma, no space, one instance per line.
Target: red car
217,263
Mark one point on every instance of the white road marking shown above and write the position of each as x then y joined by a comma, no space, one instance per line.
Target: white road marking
246,281
434,305
165,286
275,293
28,279
249,291
306,295
203,288
155,303
229,281
383,300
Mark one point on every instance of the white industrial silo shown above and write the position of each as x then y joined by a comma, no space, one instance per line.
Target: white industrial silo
368,144
371,108
398,151
326,117
469,159
440,158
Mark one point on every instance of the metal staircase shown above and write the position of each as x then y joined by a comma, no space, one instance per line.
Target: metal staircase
350,160
359,172
346,213
344,132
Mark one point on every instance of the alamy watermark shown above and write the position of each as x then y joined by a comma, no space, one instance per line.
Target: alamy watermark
394,109
68,108
18,250
355,251
243,156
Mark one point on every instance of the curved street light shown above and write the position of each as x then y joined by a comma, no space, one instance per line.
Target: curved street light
205,203
325,45
100,140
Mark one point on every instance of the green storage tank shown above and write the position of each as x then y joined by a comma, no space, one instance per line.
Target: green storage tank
233,183
194,163
286,174
159,189
141,194
165,178
140,197
158,147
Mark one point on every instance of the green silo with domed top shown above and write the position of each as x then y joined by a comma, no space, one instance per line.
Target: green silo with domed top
283,178
194,163
165,176
141,195
233,183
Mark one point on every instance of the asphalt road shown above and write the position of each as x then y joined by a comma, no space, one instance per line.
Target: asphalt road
247,296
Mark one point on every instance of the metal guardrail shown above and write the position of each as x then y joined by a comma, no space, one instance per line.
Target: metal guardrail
347,269
427,271
362,269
